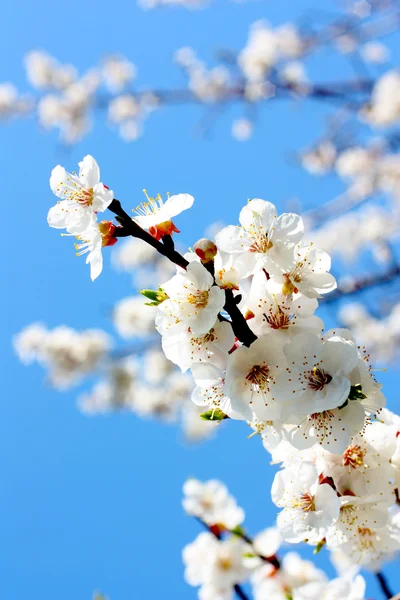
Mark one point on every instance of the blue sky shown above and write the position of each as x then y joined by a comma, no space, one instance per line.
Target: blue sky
95,503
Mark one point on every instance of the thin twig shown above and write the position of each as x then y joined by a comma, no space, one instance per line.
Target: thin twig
384,585
239,324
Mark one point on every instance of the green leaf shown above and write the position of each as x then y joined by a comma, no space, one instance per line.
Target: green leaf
215,414
356,392
156,296
238,530
319,546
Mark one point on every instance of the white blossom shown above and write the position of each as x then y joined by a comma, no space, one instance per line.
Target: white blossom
193,299
211,502
309,508
81,197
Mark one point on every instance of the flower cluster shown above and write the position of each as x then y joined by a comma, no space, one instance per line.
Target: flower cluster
292,382
81,198
69,355
346,500
238,313
68,98
224,557
380,336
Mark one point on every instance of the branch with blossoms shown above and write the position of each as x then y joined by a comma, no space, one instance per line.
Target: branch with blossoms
239,314
225,560
271,66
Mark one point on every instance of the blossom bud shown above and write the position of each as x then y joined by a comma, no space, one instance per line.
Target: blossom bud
107,229
206,250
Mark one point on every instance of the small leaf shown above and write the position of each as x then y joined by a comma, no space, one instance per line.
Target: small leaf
356,392
319,546
238,530
215,414
156,296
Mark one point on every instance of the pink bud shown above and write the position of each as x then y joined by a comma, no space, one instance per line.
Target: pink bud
205,250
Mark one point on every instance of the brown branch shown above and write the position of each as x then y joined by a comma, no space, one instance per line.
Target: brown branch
217,531
384,585
129,228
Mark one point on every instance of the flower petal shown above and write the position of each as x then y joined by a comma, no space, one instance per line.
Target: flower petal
258,211
178,203
289,227
89,172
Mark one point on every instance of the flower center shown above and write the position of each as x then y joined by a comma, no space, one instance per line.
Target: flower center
353,457
259,376
320,419
83,197
318,379
204,339
225,564
199,300
209,337
151,207
307,502
261,244
366,538
278,320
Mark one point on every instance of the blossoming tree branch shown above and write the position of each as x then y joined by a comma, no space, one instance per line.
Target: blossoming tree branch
359,146
239,315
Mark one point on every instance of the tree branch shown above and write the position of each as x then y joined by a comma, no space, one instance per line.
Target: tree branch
129,228
240,593
364,283
384,585
272,560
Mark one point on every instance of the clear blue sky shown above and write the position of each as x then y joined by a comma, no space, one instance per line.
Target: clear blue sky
95,503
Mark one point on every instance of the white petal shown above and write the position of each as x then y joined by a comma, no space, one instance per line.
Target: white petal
321,282
289,227
259,211
320,259
303,348
176,350
339,356
96,265
233,239
206,375
89,172
326,500
57,216
102,197
200,277
57,177
178,203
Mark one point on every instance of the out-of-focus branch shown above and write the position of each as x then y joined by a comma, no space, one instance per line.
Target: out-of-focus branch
339,90
334,208
364,283
272,560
